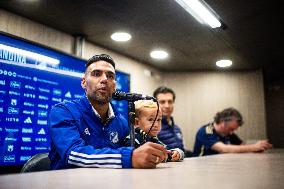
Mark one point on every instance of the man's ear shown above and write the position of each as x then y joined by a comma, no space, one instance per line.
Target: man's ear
83,83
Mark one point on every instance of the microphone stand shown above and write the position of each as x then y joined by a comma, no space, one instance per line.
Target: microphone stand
131,119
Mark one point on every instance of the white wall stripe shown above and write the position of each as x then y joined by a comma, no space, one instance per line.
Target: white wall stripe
95,160
94,165
96,155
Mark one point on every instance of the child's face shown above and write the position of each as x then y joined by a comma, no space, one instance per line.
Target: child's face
146,119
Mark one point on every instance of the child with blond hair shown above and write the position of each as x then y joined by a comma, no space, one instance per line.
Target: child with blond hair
146,131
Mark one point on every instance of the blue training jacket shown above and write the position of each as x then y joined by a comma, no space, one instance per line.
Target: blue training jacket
80,139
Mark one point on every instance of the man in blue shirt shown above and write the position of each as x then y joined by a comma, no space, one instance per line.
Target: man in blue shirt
89,133
219,137
170,133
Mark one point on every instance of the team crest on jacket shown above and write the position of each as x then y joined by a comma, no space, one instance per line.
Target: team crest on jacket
113,136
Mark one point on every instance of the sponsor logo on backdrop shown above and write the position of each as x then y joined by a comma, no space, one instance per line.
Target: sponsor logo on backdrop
45,106
29,104
41,97
26,139
1,109
28,112
28,120
9,130
26,148
27,130
25,158
10,148
29,95
2,92
43,90
12,110
10,139
41,122
12,119
41,131
68,95
30,87
14,102
9,159
40,148
41,139
12,56
56,99
15,84
2,82
14,93
57,92
42,113
9,73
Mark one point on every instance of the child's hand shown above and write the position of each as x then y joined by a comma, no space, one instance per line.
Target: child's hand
175,156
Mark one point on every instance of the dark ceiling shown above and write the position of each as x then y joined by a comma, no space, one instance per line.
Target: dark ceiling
253,37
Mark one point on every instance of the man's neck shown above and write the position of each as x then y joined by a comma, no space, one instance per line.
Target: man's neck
217,128
102,110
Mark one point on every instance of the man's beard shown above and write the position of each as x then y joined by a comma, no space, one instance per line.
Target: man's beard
98,98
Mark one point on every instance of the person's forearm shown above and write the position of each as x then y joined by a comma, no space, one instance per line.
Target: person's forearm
229,148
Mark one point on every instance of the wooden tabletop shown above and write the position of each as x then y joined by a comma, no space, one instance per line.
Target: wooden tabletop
228,171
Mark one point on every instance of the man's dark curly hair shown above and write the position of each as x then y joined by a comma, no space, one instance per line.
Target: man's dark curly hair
229,114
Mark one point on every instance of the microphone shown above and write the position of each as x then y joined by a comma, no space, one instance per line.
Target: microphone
131,97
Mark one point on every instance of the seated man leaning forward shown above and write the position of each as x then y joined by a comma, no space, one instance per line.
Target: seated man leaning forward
88,132
147,128
218,137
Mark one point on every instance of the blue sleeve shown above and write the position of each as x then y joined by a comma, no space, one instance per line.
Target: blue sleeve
207,139
72,148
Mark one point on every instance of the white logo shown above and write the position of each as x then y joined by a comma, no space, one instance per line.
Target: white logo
1,109
12,110
28,112
44,90
68,95
40,148
41,97
12,119
78,96
29,87
113,137
9,73
57,92
2,82
14,93
14,102
43,106
26,148
56,99
28,120
28,104
40,139
10,148
27,130
15,84
41,132
87,132
29,95
8,130
42,113
26,139
25,158
42,122
10,158
10,139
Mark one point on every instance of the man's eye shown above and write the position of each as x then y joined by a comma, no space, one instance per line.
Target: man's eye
96,73
110,76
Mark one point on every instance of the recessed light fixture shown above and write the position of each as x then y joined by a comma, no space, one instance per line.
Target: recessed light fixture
201,11
121,36
224,63
159,54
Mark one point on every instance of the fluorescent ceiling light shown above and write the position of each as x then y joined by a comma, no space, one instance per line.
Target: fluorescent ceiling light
121,36
29,54
159,54
200,11
224,63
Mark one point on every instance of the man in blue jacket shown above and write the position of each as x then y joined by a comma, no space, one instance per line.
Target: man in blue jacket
89,133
